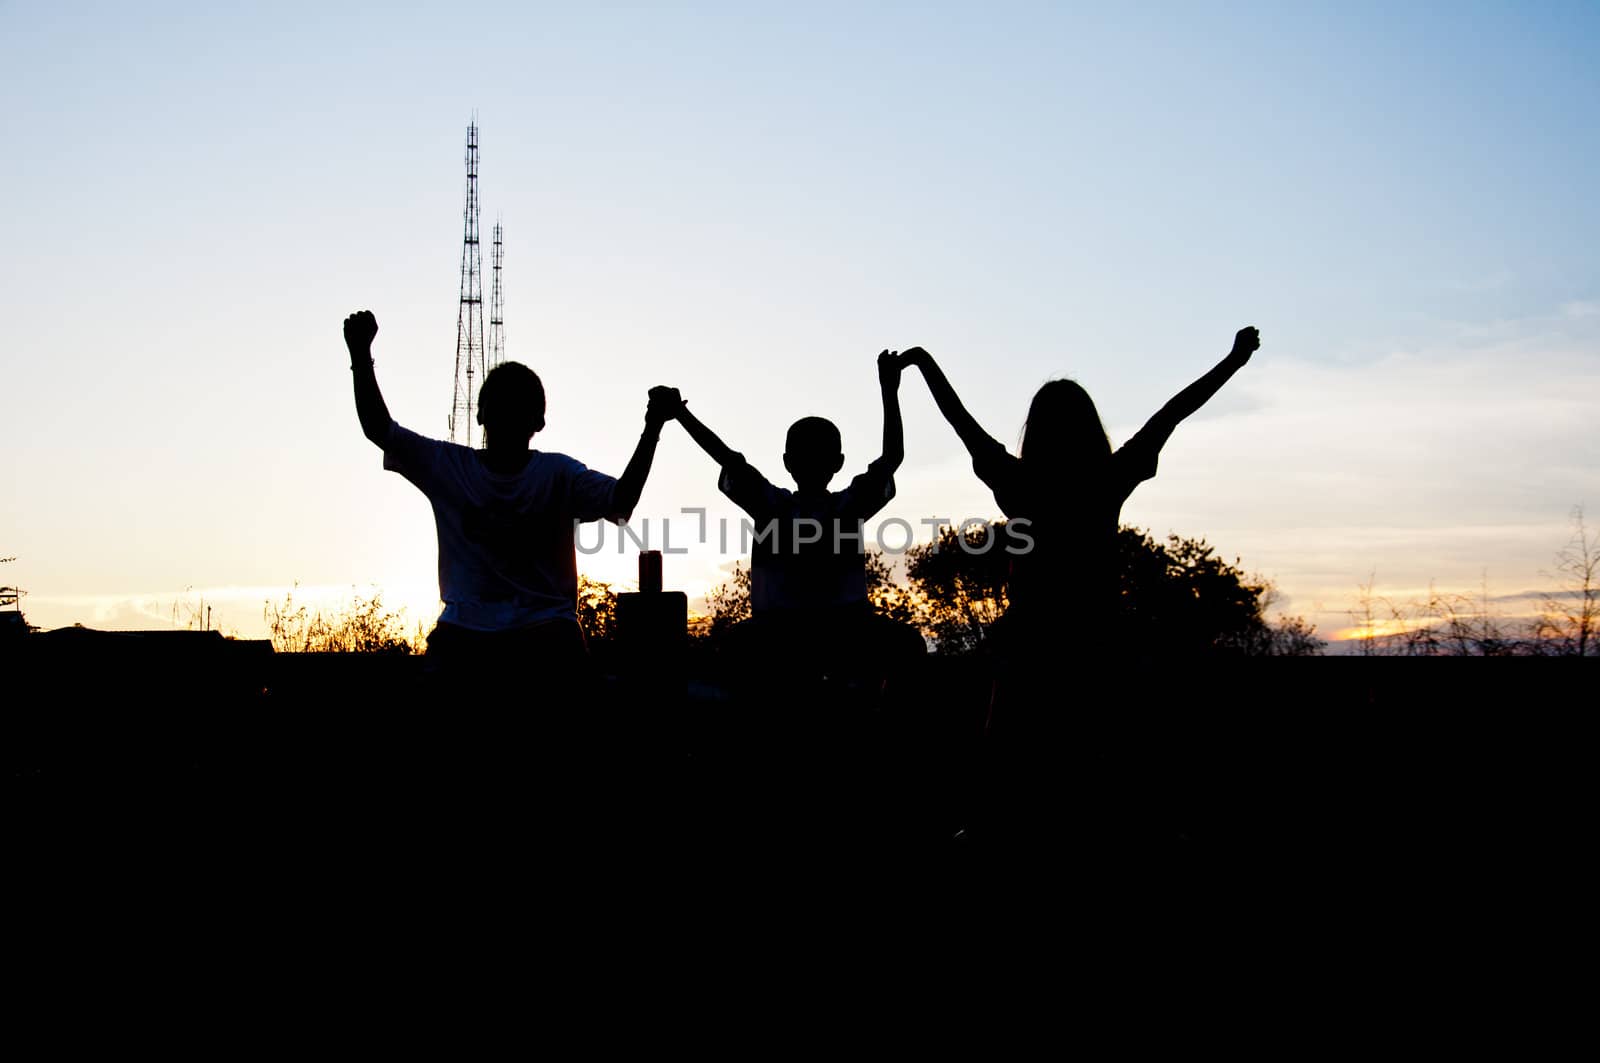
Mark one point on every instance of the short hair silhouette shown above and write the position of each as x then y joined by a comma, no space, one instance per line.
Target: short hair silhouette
1063,427
512,399
813,451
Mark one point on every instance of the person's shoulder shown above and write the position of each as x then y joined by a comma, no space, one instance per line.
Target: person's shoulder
845,495
737,469
876,476
884,467
1136,459
399,432
869,492
995,465
403,444
735,462
446,445
555,465
553,462
993,453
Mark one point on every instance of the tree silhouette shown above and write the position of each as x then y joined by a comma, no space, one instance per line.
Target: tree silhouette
727,604
1569,620
891,596
1178,598
597,610
1181,599
959,584
363,625
1447,624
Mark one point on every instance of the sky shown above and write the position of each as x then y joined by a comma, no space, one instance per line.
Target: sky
748,201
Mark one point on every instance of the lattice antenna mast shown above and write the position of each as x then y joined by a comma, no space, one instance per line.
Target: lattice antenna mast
469,318
497,315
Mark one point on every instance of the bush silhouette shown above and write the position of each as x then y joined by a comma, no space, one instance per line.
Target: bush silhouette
1178,598
361,626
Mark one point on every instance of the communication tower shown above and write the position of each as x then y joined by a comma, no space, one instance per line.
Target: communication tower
497,316
469,317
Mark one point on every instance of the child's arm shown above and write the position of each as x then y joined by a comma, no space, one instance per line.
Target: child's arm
359,330
742,484
709,442
1159,428
978,442
663,406
894,435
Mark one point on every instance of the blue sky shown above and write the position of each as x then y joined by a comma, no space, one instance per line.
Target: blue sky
749,201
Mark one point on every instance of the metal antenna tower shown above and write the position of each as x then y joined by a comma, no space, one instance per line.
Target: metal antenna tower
469,319
497,315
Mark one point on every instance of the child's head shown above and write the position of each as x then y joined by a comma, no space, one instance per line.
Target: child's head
813,452
1063,428
511,402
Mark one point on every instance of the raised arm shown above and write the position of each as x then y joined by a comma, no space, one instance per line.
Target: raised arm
1157,430
894,434
359,330
977,441
719,451
664,405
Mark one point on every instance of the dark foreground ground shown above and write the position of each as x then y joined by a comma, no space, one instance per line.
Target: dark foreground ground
210,767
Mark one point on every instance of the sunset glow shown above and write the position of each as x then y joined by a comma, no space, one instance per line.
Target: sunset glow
749,205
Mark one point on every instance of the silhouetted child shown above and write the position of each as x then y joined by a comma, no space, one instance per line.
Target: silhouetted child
808,578
506,517
1057,646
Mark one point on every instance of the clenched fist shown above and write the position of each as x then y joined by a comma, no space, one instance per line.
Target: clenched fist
1246,343
359,330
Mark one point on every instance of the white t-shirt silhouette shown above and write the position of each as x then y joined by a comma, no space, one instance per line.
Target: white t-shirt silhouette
506,553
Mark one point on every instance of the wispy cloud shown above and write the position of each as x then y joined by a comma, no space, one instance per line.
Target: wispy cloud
1446,465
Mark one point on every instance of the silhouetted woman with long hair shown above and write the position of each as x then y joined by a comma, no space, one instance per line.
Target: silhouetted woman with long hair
1056,647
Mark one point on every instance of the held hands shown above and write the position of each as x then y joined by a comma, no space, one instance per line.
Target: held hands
889,365
915,356
359,330
1246,343
665,404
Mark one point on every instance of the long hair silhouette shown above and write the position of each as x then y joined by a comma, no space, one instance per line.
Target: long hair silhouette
1063,427
1048,770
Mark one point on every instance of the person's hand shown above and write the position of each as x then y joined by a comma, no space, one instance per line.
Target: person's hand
1245,343
915,356
359,330
889,366
664,405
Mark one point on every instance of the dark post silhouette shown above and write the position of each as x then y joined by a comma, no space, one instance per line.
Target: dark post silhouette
652,627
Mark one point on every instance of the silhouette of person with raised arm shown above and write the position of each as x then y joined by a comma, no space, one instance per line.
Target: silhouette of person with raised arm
506,517
808,581
1057,646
